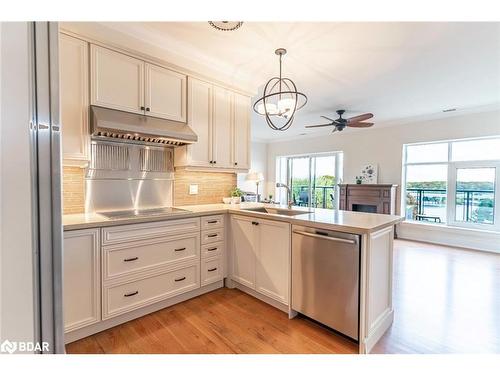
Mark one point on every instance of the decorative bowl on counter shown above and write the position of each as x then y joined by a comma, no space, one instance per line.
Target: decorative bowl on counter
227,200
236,200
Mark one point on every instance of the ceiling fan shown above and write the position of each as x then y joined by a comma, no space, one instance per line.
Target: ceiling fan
341,123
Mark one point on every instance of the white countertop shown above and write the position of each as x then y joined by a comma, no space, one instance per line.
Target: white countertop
343,221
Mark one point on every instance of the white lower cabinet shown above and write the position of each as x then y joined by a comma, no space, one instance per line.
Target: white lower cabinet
81,279
272,267
127,296
212,270
243,250
260,256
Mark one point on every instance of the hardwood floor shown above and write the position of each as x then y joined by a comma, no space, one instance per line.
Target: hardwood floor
446,300
223,321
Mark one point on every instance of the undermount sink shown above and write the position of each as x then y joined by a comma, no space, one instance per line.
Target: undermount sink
277,211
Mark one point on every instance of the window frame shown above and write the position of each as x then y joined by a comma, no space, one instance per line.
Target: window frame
452,167
280,193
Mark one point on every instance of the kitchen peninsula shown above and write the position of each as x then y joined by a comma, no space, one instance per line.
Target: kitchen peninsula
127,267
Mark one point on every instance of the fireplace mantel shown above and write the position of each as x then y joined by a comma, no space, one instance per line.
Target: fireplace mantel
375,198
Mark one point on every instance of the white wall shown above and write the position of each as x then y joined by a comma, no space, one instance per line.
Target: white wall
258,164
384,147
16,272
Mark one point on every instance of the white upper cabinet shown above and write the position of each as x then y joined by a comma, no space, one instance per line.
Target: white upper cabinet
165,93
198,154
221,119
222,139
241,132
74,77
116,80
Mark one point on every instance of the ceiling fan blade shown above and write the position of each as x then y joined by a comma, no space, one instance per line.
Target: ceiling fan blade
319,126
328,118
363,117
360,125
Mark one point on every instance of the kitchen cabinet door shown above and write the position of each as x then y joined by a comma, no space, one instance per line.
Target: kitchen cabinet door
74,77
272,272
165,93
241,132
243,250
222,130
198,154
81,279
116,80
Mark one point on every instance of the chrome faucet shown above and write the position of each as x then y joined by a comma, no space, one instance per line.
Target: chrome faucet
289,193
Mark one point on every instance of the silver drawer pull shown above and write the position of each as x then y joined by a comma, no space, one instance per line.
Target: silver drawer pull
130,259
181,249
212,249
324,237
212,222
182,278
212,269
131,294
212,235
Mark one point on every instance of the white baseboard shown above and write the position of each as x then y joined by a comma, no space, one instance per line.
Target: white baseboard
450,236
262,297
381,326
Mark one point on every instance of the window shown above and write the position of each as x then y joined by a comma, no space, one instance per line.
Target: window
454,183
311,178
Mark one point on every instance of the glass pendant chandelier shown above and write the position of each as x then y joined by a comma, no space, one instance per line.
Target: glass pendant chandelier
280,100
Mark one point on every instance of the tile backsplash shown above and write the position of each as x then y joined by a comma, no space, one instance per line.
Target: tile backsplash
212,187
73,190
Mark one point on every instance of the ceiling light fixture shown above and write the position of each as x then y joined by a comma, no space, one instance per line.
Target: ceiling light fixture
225,25
280,100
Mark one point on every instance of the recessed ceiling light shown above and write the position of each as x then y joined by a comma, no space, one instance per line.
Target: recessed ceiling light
449,110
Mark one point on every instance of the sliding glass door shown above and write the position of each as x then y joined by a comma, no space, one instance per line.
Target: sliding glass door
312,179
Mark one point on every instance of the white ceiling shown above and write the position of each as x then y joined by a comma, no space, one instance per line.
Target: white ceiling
395,70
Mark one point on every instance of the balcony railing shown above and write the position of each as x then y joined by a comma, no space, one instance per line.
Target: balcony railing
430,205
322,196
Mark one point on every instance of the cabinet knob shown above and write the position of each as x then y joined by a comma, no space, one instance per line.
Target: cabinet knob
215,162
211,161
235,163
147,109
142,108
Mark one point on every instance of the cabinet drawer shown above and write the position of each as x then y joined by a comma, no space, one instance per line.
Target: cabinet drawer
212,270
211,236
211,222
212,249
134,232
121,298
136,257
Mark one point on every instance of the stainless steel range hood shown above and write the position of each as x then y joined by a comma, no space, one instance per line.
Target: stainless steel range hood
114,125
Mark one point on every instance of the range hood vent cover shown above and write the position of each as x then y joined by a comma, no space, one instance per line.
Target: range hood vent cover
127,127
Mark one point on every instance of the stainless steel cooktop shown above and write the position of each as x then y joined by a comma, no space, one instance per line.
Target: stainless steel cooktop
127,214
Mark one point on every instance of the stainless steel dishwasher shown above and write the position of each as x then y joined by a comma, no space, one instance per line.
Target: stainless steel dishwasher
325,277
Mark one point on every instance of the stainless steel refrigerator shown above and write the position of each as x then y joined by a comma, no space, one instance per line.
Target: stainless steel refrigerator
46,167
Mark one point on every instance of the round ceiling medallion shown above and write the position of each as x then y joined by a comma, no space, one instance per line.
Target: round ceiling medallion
226,25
